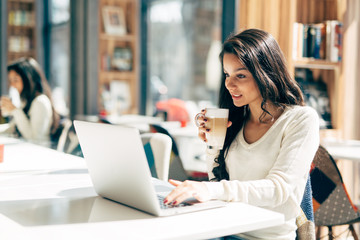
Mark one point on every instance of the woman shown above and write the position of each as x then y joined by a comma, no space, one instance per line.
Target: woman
271,140
36,119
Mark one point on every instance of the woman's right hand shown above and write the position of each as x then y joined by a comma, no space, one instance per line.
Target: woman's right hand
6,104
201,126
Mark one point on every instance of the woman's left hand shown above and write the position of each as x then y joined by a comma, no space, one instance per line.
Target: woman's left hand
6,104
185,190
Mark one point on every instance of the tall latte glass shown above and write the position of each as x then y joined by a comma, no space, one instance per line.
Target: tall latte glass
217,120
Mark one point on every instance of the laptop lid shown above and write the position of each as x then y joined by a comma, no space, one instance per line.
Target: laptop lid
117,164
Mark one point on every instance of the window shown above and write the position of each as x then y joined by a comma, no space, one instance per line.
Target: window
59,54
183,45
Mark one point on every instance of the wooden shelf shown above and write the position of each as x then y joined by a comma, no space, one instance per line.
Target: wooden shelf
25,32
106,52
128,37
21,27
316,64
27,53
116,75
22,1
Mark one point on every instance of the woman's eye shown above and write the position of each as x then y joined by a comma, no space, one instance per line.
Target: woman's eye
226,75
240,76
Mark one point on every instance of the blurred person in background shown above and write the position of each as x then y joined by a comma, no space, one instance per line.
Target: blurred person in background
34,118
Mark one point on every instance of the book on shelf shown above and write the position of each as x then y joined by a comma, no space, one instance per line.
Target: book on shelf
21,18
19,43
21,13
122,59
105,62
318,41
305,40
334,43
298,36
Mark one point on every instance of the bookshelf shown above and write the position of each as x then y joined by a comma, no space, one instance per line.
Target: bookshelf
279,17
21,29
326,18
316,64
118,57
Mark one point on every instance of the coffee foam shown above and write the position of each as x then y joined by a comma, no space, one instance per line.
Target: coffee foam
217,112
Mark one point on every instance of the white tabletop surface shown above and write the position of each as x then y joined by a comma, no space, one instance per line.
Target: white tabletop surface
343,149
55,199
21,156
140,122
63,206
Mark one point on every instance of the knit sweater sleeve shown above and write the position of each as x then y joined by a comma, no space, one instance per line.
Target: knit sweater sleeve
287,177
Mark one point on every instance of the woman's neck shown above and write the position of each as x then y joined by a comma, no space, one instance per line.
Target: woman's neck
258,116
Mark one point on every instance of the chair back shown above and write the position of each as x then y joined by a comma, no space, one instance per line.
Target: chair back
65,125
67,140
176,168
305,221
159,152
331,201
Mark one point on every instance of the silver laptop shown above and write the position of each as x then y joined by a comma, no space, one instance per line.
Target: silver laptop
118,168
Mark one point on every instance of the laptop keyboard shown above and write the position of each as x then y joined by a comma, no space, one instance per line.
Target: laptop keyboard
164,206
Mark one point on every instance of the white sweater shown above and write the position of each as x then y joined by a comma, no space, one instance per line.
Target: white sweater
271,172
36,127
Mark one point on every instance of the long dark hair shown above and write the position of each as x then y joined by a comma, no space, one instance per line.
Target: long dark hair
35,83
259,52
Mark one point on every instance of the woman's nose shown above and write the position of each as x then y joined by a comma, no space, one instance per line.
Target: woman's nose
229,83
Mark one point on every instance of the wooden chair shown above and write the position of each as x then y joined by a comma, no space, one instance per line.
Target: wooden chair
331,202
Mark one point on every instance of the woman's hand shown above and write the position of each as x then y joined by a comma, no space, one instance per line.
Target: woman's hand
202,126
6,104
185,190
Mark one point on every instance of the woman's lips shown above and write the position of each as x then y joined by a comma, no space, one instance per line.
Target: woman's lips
235,96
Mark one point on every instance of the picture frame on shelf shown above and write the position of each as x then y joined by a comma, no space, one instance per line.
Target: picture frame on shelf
122,59
114,20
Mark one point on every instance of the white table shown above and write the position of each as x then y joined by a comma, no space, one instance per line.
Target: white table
57,201
140,122
343,149
20,156
64,206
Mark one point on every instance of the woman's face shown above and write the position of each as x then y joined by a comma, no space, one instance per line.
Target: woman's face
15,81
239,82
